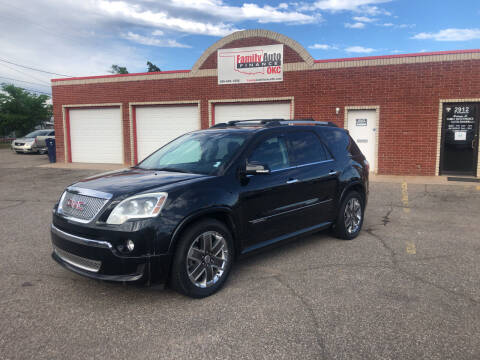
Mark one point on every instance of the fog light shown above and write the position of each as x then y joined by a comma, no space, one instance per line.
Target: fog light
130,245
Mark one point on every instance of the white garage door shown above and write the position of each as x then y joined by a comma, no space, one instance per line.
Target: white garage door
228,112
96,135
158,125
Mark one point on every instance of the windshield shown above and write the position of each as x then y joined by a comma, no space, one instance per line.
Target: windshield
36,133
199,153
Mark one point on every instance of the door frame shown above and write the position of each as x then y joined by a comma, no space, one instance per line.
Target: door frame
377,126
133,120
273,100
440,132
66,125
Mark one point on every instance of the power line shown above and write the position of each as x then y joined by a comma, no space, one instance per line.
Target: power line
24,73
34,69
32,90
28,82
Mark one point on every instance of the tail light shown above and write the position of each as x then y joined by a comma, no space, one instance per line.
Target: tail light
367,165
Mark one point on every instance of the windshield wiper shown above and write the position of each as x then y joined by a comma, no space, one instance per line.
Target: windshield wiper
170,169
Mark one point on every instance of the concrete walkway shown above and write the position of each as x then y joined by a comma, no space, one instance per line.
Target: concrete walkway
429,180
84,166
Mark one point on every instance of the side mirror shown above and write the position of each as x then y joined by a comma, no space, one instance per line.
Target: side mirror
255,168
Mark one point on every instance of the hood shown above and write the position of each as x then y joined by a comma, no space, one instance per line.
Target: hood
24,139
131,181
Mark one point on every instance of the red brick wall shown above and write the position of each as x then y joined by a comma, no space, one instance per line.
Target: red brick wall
408,96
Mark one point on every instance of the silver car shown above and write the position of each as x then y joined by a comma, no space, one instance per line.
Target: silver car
33,142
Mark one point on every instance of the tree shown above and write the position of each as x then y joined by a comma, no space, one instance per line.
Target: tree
152,67
115,69
21,111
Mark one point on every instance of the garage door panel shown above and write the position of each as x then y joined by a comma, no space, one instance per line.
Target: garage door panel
230,112
96,135
158,125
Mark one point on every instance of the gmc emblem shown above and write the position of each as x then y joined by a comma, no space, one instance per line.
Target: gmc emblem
77,205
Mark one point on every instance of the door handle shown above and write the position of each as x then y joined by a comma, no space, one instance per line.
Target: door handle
331,173
292,181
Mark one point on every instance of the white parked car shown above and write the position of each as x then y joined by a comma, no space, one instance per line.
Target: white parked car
33,142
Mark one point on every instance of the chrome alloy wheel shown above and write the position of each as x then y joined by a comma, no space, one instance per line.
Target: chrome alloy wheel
352,215
207,259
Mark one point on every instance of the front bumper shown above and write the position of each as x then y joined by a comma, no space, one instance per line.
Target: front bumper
24,148
100,260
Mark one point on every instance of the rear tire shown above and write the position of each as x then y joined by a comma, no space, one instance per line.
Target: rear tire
350,216
203,259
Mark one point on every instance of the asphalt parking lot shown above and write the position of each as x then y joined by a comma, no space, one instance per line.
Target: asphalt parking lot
407,288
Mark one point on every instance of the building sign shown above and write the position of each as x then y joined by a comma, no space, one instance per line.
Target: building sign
254,64
361,122
460,118
460,136
459,122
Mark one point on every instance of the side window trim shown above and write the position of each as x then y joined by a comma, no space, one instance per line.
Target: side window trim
303,165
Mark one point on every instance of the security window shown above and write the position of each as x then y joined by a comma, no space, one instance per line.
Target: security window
271,152
307,148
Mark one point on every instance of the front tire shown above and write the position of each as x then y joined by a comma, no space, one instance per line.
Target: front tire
350,216
203,259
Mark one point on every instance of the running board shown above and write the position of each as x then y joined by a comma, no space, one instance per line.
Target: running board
287,236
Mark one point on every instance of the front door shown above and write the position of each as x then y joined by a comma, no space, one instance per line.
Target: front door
362,125
268,200
459,139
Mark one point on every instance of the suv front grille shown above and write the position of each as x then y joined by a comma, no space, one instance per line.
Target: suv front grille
81,207
78,261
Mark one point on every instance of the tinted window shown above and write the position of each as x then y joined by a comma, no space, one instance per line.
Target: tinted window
353,148
307,148
52,133
271,152
337,141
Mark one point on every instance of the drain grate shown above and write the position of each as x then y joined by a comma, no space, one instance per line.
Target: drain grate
450,178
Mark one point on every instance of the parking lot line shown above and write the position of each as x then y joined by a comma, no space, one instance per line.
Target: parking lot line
406,209
411,248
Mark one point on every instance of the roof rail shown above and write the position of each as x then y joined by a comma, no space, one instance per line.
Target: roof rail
274,122
260,121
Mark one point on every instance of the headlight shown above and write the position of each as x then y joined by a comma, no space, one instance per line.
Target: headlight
138,207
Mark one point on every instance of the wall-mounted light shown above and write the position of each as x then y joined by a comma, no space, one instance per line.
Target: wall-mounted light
337,111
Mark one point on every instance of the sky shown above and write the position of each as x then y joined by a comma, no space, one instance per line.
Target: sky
85,37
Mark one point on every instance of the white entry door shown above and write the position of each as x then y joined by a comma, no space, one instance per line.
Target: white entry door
245,111
158,125
362,125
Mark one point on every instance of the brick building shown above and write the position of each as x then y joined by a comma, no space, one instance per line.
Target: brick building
414,114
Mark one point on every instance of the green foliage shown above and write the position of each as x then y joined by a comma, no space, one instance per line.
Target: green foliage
21,111
115,69
152,67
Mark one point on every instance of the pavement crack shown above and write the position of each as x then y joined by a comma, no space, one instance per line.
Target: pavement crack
396,265
313,318
18,203
386,218
384,244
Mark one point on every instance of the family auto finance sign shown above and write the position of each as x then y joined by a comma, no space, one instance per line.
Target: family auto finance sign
250,64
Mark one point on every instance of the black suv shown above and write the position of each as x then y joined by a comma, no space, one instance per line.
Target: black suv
189,209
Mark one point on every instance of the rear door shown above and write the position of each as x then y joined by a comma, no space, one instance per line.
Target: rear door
315,176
